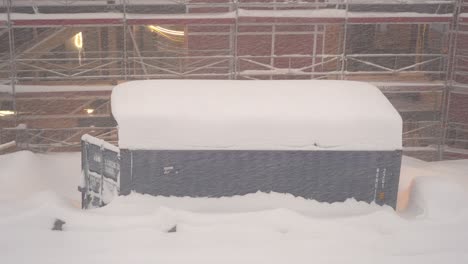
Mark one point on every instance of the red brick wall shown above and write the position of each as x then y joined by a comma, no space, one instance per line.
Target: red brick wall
459,108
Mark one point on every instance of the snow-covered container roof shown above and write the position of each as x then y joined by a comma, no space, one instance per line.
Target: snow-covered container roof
254,115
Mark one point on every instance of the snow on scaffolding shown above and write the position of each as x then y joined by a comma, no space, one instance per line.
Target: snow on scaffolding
71,3
108,15
53,88
146,2
386,2
331,13
317,13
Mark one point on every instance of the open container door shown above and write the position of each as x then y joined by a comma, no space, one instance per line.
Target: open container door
100,172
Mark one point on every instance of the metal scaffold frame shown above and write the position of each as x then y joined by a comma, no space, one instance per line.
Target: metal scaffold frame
419,71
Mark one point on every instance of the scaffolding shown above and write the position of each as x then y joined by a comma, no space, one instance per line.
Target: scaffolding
415,52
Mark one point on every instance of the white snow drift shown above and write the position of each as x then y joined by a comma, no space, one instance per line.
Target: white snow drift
258,228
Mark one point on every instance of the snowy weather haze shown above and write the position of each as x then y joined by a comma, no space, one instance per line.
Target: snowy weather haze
234,131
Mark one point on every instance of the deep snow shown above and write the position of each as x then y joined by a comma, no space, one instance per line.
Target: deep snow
260,115
36,189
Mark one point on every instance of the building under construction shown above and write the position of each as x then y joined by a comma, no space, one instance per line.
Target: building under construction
60,59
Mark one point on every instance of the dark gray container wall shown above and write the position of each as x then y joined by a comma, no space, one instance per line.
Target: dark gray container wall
326,176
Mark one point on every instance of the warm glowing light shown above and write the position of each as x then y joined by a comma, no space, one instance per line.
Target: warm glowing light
166,31
174,35
89,111
6,112
78,40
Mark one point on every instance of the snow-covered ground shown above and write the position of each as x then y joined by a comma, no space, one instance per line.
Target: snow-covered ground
259,228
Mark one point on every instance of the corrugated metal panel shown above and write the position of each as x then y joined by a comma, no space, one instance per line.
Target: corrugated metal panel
326,176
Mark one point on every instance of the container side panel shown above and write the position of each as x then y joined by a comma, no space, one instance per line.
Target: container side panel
326,176
125,172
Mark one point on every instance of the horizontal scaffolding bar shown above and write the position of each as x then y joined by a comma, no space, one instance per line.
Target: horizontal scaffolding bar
227,18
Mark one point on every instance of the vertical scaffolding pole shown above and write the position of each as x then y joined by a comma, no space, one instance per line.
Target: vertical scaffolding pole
449,76
314,49
235,59
13,72
232,52
232,42
273,43
125,54
345,39
272,49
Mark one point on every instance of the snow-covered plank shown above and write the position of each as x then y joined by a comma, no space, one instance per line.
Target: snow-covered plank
73,3
22,19
7,145
214,18
338,16
464,18
245,16
357,18
54,88
401,2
